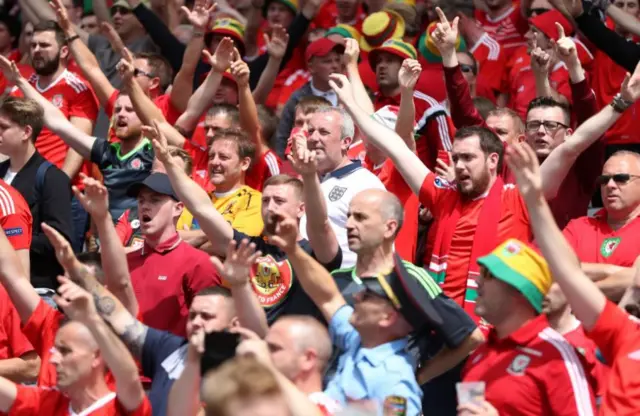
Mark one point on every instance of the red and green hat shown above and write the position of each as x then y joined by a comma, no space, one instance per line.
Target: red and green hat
428,48
379,27
229,27
395,47
346,31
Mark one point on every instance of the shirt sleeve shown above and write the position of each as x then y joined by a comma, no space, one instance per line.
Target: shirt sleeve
158,345
29,401
18,342
123,228
430,190
17,228
100,154
614,331
343,334
84,105
41,327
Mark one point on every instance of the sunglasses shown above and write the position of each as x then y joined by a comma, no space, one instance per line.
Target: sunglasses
468,68
619,178
119,9
549,126
140,73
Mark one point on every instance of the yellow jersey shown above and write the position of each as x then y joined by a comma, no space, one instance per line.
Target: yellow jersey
241,209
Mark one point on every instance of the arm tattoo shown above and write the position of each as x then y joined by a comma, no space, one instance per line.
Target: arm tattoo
104,304
133,336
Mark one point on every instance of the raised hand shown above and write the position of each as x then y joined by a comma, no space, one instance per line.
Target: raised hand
61,16
236,268
445,171
446,34
409,74
95,198
223,57
201,14
302,159
277,42
253,346
540,59
240,71
76,302
126,70
630,89
9,70
343,88
159,142
566,48
351,52
523,162
283,231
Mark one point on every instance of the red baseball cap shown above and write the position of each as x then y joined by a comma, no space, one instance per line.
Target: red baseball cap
322,47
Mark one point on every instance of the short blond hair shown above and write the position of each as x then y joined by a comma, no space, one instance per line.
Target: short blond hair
242,379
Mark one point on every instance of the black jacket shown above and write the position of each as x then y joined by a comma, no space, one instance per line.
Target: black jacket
53,206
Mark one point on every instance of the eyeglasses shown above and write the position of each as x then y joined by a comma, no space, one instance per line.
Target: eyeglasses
619,178
536,11
468,68
140,73
119,9
549,126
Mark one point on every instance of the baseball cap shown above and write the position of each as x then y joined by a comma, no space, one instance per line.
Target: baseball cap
322,47
546,23
520,266
157,182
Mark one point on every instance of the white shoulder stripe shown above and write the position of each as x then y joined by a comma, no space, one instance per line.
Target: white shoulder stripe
6,201
580,387
272,163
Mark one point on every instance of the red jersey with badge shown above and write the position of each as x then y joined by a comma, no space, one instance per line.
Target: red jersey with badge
15,217
585,346
38,401
508,29
13,343
165,280
617,334
434,128
262,168
73,96
595,242
533,371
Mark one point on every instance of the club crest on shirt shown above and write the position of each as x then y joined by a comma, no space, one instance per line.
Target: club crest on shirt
609,245
136,164
271,280
395,406
57,100
336,193
518,365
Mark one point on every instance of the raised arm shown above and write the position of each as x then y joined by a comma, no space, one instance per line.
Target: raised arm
44,12
408,77
53,118
314,278
351,56
78,305
85,59
555,168
95,201
410,166
586,300
248,110
201,100
142,104
541,63
276,48
184,397
625,20
195,199
236,271
321,235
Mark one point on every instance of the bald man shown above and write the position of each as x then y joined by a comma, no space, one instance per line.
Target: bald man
300,349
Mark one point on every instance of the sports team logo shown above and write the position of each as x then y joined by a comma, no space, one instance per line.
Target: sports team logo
136,164
519,365
135,224
271,280
57,100
511,249
609,245
395,406
336,193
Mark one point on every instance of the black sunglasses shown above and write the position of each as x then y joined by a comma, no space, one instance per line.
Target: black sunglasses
619,178
139,72
122,10
468,68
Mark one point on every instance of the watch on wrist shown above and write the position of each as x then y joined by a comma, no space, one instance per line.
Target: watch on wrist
619,104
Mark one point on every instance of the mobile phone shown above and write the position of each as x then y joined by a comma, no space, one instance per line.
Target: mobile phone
219,346
444,156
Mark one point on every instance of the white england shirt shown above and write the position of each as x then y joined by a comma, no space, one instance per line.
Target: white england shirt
339,187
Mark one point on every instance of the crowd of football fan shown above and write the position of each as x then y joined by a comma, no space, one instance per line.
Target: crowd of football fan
319,207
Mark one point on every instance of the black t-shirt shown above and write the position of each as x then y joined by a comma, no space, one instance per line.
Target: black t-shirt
275,283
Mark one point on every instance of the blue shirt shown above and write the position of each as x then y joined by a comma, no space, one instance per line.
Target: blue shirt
371,373
163,359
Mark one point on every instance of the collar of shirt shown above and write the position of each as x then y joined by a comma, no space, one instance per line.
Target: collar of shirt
376,356
523,335
329,95
343,171
164,247
381,100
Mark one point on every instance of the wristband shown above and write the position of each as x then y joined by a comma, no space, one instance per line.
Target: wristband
619,104
72,38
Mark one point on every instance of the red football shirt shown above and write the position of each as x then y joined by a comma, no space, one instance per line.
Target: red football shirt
587,348
617,334
538,368
513,223
15,217
72,95
37,401
165,280
41,330
492,60
13,343
327,16
262,168
508,29
595,242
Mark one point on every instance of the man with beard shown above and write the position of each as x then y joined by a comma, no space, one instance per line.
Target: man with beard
122,164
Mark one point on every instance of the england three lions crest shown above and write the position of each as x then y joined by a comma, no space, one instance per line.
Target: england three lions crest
336,193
